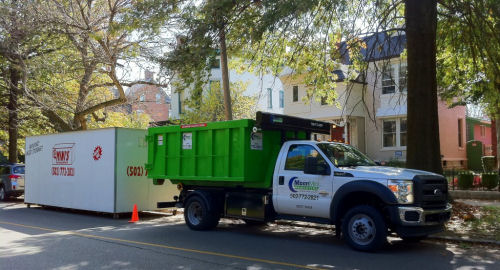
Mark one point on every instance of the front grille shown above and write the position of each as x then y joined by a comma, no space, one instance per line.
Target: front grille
431,192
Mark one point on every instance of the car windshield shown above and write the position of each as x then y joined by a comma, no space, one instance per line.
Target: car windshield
342,155
18,170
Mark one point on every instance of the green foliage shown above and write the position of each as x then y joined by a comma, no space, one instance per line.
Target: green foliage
211,106
396,163
489,180
465,180
468,48
488,163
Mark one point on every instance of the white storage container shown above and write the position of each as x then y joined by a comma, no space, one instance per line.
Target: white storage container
98,170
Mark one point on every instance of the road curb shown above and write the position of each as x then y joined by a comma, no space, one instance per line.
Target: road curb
465,240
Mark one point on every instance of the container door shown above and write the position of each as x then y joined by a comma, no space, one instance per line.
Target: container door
298,193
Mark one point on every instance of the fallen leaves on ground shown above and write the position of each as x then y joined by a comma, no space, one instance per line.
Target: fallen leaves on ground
474,222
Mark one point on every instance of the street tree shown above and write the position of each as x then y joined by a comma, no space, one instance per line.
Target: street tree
21,39
212,107
469,55
95,36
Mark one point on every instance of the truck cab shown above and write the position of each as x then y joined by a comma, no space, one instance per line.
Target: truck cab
338,183
266,169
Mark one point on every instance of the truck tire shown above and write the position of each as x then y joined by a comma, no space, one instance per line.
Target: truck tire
3,194
198,217
364,228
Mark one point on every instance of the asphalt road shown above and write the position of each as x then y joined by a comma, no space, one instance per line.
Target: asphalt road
40,238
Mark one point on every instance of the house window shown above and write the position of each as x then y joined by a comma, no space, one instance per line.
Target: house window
215,62
142,98
323,100
269,98
179,103
158,98
393,74
295,93
483,130
388,86
282,99
402,78
389,136
394,132
460,134
402,132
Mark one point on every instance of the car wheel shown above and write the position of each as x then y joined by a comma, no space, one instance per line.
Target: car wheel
197,215
364,228
3,195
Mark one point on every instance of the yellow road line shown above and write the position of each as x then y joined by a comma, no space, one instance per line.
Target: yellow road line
164,246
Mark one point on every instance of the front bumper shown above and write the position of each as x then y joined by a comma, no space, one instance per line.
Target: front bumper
417,216
416,221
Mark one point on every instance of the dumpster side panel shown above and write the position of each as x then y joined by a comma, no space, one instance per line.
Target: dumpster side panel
212,154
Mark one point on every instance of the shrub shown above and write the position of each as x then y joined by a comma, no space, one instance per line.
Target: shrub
465,179
395,163
488,163
490,180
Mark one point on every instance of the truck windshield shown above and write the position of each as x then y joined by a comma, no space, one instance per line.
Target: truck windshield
342,155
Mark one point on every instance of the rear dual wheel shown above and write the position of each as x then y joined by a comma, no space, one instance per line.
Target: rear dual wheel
197,215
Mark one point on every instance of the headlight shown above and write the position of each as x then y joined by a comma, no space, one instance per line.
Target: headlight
402,189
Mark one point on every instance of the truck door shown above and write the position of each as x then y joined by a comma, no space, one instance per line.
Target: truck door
298,193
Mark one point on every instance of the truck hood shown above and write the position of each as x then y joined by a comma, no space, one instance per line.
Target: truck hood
382,172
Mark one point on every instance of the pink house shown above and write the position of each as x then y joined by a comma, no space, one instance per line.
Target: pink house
480,130
452,137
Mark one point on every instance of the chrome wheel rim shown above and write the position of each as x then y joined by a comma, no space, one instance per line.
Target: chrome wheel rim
362,229
195,213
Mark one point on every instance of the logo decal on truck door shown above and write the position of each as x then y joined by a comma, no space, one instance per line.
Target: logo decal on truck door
296,185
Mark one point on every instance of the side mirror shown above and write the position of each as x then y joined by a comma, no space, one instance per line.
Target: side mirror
311,166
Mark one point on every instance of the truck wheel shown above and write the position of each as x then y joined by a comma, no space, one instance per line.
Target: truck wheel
3,195
197,216
364,228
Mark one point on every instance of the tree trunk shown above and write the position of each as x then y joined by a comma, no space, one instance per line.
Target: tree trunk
496,139
423,150
15,76
225,74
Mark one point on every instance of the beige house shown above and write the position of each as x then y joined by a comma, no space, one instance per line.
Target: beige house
373,110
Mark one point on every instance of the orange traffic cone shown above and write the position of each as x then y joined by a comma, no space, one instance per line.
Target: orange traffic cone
135,215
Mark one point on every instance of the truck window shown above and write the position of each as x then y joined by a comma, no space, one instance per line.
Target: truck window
297,155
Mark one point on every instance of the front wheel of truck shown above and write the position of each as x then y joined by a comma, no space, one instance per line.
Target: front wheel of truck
197,215
364,228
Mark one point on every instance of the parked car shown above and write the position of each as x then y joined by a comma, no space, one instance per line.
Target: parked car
11,180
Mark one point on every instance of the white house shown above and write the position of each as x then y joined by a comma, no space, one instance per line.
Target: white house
373,113
267,88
